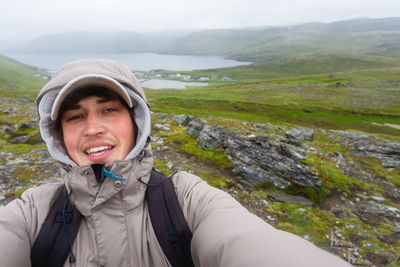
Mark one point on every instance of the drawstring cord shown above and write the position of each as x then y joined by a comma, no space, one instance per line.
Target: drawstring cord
112,175
71,253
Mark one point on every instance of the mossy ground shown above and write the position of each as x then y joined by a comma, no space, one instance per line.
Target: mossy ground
312,223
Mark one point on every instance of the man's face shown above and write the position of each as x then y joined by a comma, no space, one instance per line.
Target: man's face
97,130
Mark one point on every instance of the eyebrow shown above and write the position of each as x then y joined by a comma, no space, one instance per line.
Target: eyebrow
98,101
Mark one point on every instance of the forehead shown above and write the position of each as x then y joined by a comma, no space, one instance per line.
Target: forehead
95,100
102,94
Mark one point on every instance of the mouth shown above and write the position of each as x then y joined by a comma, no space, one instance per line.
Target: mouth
98,150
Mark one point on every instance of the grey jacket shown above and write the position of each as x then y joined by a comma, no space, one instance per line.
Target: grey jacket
116,228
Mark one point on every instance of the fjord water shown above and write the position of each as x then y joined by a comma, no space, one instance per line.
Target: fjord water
135,61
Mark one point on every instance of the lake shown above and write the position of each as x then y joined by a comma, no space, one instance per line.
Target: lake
135,61
169,84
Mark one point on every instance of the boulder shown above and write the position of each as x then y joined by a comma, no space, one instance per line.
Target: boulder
274,160
391,163
183,119
6,170
20,139
374,208
29,124
291,141
162,127
302,134
378,199
290,199
8,130
396,228
7,110
376,148
209,138
195,127
350,135
261,141
299,155
255,176
284,151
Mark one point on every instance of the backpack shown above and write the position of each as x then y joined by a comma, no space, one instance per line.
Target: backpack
58,232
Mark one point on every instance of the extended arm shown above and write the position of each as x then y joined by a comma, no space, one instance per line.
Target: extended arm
15,243
225,234
20,222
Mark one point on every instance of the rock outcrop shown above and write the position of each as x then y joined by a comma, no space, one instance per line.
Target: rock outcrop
257,158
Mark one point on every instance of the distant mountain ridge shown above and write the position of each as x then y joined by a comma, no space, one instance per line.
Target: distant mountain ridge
259,44
251,44
354,25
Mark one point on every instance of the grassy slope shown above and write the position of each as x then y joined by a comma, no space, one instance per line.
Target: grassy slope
17,79
293,44
310,64
291,92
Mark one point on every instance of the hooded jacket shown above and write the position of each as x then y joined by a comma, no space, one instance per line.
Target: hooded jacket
116,229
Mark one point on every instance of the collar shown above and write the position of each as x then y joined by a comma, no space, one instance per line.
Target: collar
89,196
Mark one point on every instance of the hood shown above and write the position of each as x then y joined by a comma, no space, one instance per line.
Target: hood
75,70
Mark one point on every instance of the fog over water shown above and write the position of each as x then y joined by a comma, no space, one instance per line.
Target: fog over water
135,61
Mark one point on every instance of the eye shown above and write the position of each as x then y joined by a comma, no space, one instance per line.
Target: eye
74,117
110,109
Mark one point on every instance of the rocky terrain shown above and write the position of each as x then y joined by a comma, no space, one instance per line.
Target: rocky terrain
338,189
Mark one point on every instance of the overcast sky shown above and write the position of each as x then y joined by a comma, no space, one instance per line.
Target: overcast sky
29,18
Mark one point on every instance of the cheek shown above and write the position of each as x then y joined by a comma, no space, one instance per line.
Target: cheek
124,129
69,134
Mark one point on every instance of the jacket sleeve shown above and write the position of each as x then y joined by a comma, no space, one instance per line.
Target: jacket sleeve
226,234
20,222
15,241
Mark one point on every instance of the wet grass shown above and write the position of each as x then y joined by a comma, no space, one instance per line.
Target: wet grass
189,145
17,79
354,101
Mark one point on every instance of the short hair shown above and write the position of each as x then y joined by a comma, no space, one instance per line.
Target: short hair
73,98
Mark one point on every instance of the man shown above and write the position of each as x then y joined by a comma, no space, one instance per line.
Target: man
94,113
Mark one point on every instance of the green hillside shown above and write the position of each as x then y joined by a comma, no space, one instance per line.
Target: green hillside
17,79
351,37
295,44
283,67
263,45
359,100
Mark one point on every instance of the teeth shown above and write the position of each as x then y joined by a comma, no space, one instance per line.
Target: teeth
94,150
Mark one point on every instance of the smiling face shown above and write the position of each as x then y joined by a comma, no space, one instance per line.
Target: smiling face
97,130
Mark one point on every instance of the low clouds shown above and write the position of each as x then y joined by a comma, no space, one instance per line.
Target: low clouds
27,19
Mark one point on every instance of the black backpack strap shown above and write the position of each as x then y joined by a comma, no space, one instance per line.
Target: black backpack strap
169,224
58,232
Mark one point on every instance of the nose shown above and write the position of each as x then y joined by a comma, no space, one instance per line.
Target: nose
93,125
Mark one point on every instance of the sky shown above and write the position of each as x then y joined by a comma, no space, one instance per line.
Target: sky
26,19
